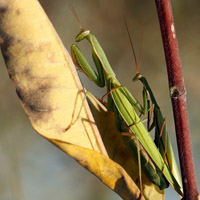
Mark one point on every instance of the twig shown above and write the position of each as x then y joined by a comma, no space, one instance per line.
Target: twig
178,98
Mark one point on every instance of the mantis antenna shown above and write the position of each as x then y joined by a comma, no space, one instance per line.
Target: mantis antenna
132,47
75,14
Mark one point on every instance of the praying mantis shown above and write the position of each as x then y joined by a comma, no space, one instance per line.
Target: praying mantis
120,101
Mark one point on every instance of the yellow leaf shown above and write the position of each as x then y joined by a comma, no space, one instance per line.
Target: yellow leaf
43,74
50,93
108,171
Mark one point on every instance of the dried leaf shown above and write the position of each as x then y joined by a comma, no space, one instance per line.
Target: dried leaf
43,74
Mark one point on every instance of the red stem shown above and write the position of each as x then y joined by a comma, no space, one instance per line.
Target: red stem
178,98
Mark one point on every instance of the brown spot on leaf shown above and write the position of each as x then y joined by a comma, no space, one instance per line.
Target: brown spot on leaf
18,12
7,41
11,74
3,9
35,101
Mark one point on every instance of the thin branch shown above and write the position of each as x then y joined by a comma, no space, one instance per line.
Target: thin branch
178,98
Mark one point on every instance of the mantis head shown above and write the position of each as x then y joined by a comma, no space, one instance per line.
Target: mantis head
82,34
138,76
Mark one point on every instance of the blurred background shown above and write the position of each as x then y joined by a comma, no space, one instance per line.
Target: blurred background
32,168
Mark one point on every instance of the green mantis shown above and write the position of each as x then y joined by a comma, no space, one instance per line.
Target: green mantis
162,141
123,104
